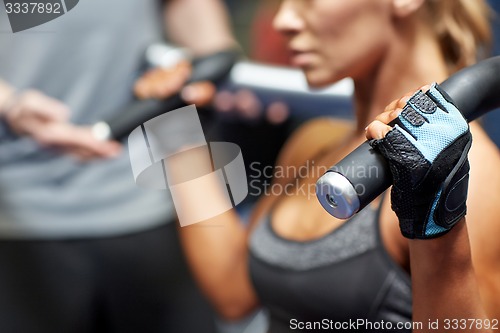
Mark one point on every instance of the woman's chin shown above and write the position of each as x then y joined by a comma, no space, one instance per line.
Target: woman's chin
317,80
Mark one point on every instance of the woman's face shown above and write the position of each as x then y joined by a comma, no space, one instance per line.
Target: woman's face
333,39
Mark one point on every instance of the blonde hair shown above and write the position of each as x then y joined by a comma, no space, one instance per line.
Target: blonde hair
463,30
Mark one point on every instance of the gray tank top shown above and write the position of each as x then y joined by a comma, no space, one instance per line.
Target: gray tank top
342,277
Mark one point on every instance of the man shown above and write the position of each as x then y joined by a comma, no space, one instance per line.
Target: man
82,249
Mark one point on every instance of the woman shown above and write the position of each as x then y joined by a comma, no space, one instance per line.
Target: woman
305,265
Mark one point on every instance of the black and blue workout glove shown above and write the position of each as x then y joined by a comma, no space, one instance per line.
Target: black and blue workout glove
427,153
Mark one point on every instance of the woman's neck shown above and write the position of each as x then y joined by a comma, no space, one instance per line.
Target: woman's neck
412,60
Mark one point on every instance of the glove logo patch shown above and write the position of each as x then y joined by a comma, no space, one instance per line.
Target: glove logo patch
423,103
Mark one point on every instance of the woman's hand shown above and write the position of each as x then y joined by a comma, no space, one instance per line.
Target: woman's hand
425,139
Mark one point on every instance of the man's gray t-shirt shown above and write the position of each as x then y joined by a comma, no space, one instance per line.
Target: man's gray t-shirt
87,58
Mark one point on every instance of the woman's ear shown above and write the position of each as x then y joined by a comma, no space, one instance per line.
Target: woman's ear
403,8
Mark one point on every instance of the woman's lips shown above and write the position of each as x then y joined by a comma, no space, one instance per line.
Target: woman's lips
301,58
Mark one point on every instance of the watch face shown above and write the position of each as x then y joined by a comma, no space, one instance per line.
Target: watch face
26,14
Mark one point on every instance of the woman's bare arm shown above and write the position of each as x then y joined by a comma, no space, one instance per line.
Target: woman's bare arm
444,278
444,282
467,259
215,248
483,220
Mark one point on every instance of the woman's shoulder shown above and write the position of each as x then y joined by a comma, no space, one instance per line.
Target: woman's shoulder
312,137
324,125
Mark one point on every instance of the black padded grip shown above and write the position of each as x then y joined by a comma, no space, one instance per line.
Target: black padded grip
214,68
474,90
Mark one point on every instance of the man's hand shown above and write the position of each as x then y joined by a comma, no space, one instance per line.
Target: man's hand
45,119
161,83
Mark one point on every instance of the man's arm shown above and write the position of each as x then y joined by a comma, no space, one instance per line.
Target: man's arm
201,25
6,93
